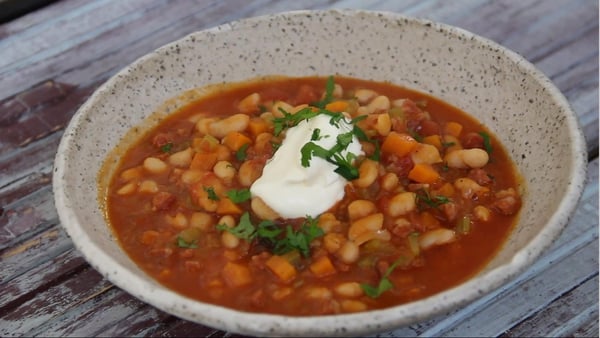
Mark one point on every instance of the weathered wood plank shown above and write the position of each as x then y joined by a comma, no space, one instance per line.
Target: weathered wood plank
180,18
562,317
50,303
29,283
38,18
24,218
26,49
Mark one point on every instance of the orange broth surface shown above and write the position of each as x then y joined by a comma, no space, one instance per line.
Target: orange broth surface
166,216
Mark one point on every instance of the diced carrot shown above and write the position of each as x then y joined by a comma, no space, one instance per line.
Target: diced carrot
257,126
235,140
434,140
322,267
205,144
203,161
236,275
423,173
398,144
453,128
337,106
445,190
227,207
281,268
149,237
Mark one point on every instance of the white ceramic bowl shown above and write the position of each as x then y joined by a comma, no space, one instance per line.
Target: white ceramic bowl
497,86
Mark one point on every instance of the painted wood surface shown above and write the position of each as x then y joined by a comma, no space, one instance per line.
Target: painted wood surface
52,59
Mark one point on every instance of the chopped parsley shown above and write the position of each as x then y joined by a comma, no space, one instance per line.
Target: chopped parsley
384,283
299,240
290,120
487,142
345,167
239,196
269,232
329,88
425,200
166,148
182,243
240,154
212,195
244,229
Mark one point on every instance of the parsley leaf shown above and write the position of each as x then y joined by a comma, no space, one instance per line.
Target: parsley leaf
240,154
345,167
289,120
212,195
182,243
487,142
244,229
239,196
329,87
299,240
166,148
384,284
425,200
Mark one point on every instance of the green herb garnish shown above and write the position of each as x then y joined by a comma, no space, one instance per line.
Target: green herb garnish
240,154
182,243
239,196
165,148
425,200
487,142
384,284
345,166
212,195
290,120
244,229
270,232
329,88
299,240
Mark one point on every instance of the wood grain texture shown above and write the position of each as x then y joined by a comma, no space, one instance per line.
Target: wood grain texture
51,60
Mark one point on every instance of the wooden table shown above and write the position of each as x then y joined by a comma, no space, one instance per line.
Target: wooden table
52,59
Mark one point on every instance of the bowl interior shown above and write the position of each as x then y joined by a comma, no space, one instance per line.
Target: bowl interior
502,90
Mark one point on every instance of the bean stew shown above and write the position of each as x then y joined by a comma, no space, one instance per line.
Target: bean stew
427,197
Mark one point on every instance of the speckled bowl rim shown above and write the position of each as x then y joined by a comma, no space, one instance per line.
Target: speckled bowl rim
345,324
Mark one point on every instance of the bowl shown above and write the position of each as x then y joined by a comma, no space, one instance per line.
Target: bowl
504,91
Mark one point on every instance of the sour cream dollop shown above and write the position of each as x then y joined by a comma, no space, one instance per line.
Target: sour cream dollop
295,191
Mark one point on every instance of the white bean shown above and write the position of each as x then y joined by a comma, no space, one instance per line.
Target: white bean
148,186
425,153
475,158
348,252
191,176
229,240
249,104
348,289
481,213
379,103
364,95
182,158
367,173
467,158
402,203
436,237
237,122
360,208
201,220
155,165
127,189
262,210
224,170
